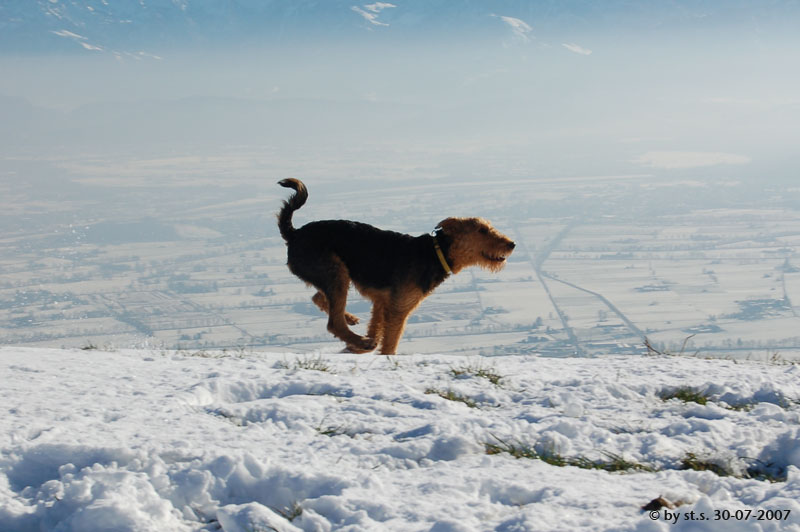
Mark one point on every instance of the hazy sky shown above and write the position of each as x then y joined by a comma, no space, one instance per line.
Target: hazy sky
559,87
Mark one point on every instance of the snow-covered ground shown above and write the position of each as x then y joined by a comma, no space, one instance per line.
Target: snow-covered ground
166,441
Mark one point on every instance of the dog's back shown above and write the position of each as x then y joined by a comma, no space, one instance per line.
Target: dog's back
375,258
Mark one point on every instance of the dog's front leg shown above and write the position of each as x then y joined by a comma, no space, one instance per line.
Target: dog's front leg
377,321
395,324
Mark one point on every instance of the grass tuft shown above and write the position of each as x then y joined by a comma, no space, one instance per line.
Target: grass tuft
685,394
393,360
451,395
227,416
312,363
694,463
316,364
741,407
517,450
332,431
341,430
290,513
615,463
618,463
477,370
758,470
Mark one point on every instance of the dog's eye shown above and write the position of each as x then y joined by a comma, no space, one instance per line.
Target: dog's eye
483,231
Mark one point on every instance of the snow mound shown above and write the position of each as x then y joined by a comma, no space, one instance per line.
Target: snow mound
134,440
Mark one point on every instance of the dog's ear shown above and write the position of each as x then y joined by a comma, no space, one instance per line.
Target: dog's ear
448,226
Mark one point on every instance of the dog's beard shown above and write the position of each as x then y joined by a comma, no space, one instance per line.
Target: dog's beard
493,261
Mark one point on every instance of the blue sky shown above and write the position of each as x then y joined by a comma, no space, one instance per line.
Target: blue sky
620,86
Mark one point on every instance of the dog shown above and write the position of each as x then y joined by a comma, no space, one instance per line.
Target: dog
393,270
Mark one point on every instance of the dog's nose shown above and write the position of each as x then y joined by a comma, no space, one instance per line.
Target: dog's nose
511,245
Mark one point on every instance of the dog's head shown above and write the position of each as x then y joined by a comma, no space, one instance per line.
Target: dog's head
474,242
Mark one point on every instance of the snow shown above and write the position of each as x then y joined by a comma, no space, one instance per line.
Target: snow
252,441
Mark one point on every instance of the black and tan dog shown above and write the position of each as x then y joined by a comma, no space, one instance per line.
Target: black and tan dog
393,270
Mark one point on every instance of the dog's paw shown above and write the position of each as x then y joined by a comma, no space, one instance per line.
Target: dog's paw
372,343
355,350
364,345
351,319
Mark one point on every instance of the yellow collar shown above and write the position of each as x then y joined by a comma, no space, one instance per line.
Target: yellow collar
439,254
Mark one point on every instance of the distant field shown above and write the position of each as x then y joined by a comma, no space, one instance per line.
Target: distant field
600,264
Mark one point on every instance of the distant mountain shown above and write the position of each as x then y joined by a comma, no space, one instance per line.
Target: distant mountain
151,26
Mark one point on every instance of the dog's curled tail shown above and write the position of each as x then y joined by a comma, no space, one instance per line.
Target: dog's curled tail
294,202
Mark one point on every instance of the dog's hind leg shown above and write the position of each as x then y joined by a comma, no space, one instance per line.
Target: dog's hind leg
335,291
321,301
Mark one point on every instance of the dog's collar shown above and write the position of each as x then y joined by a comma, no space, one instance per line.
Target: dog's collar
442,260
